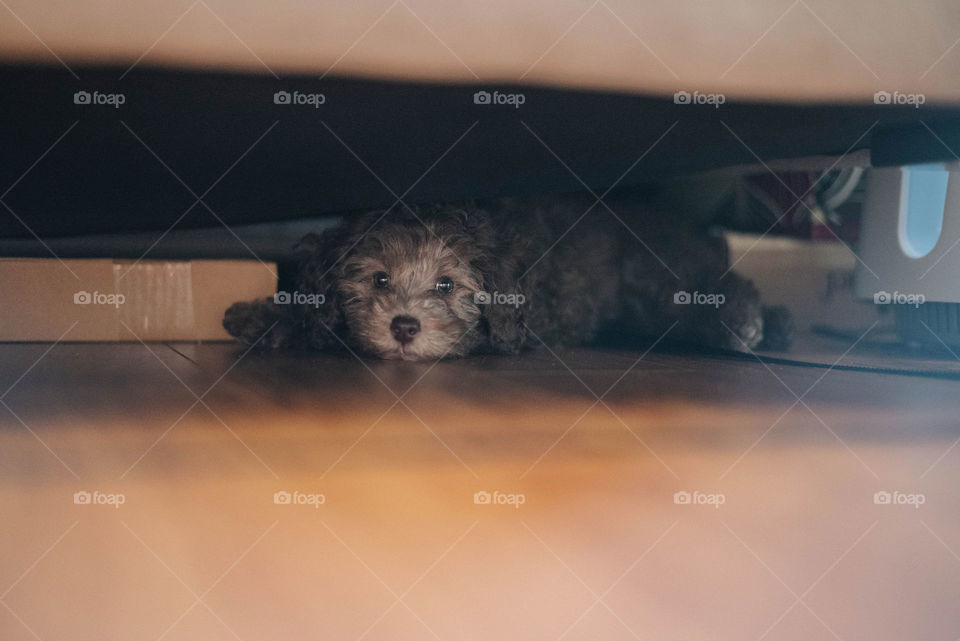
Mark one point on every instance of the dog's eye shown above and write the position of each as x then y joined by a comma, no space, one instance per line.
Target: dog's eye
381,280
444,285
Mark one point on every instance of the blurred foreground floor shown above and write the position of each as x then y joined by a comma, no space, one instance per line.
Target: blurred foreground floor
813,503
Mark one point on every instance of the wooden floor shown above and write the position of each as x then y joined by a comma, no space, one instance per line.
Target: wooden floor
582,454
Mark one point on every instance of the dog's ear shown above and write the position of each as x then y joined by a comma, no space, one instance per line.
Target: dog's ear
293,319
311,315
507,332
318,275
323,322
501,274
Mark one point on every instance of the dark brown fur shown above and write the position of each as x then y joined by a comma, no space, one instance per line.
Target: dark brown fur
563,267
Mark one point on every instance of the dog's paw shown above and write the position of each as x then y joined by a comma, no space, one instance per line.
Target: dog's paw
260,323
740,314
746,334
778,329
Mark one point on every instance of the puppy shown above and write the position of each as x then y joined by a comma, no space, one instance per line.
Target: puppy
446,280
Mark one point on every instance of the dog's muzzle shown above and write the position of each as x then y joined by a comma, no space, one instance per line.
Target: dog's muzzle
404,328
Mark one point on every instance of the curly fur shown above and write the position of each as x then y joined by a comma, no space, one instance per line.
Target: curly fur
562,269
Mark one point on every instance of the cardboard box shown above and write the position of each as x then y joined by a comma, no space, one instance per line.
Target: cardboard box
123,300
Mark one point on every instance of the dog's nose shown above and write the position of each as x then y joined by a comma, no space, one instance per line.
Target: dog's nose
404,328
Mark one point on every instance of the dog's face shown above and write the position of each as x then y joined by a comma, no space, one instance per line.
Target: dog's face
398,287
407,292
